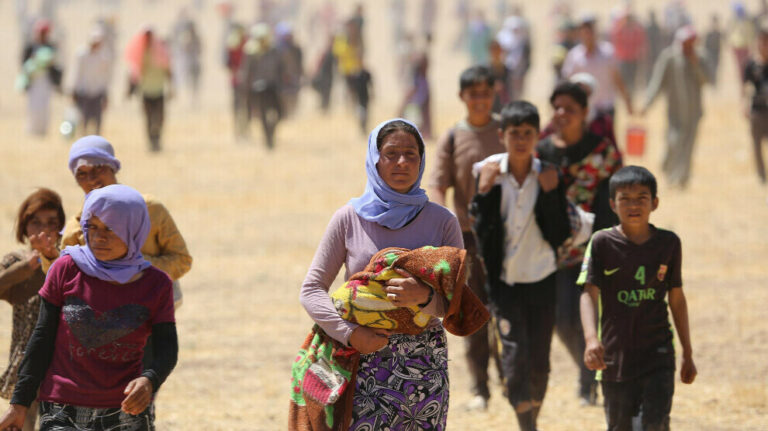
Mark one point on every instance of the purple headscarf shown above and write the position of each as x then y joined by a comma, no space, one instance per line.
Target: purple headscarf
95,150
123,210
379,203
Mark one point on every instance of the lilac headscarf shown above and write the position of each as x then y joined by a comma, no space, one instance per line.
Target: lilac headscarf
95,150
123,210
379,203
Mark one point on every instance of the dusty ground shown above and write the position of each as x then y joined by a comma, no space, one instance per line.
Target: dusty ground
253,218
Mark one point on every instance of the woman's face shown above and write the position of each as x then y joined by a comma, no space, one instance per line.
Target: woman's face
44,220
399,161
103,242
94,177
569,115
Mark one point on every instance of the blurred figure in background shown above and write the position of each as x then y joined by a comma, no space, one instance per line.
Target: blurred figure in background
292,60
93,75
740,34
566,38
40,75
187,49
462,20
416,104
150,77
322,78
478,38
655,38
500,76
679,73
630,47
235,59
675,16
428,17
756,100
597,58
516,43
712,42
263,74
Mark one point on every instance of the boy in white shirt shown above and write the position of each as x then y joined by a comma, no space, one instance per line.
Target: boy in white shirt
521,217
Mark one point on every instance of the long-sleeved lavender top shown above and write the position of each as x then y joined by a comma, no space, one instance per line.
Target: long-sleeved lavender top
352,241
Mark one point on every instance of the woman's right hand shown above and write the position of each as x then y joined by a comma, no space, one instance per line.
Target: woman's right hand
368,340
13,419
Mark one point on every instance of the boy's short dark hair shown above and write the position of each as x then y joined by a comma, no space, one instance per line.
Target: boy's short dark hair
571,89
630,176
476,75
518,113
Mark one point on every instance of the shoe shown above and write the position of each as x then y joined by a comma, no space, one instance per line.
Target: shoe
589,398
477,403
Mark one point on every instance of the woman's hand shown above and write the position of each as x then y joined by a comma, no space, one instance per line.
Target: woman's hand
45,244
406,291
368,340
13,419
139,394
548,179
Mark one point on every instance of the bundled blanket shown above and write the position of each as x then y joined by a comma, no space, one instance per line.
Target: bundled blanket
324,368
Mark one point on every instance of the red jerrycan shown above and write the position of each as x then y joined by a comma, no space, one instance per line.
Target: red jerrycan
635,140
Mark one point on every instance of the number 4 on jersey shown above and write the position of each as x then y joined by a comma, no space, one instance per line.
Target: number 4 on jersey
640,274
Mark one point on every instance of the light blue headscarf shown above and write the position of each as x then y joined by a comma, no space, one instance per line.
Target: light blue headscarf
380,203
123,210
94,149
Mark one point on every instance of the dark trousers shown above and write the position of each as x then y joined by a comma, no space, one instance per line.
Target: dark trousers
525,316
568,325
650,396
154,112
90,108
266,103
759,126
479,348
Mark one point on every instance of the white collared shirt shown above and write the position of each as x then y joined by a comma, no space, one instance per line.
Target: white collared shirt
528,257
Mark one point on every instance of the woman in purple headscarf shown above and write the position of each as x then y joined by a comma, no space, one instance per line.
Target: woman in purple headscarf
401,378
100,302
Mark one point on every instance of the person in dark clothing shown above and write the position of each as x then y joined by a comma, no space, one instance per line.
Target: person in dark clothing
712,42
756,105
591,159
263,73
322,79
632,269
521,218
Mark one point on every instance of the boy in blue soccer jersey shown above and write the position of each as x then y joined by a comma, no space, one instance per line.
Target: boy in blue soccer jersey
628,270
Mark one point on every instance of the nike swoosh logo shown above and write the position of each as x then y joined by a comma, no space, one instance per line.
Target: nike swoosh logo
611,272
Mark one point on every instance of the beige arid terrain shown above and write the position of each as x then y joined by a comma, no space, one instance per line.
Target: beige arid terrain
252,219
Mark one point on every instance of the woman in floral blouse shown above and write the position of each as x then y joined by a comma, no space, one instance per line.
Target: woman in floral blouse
587,161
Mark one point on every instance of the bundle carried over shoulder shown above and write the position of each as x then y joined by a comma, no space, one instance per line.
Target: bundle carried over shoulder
325,369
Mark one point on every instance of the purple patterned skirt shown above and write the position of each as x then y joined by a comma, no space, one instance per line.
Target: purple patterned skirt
403,386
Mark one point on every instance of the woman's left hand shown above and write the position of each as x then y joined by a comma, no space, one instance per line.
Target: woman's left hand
406,291
139,395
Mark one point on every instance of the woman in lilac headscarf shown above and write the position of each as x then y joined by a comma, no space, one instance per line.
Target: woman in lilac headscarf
100,302
401,378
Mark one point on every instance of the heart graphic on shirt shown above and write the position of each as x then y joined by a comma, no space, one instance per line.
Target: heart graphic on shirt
94,330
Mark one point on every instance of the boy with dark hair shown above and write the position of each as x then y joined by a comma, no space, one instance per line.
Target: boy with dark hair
521,217
472,139
629,269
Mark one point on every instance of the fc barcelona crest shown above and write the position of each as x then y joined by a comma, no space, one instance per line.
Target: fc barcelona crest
662,272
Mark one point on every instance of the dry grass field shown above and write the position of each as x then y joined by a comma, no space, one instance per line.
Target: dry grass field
252,219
